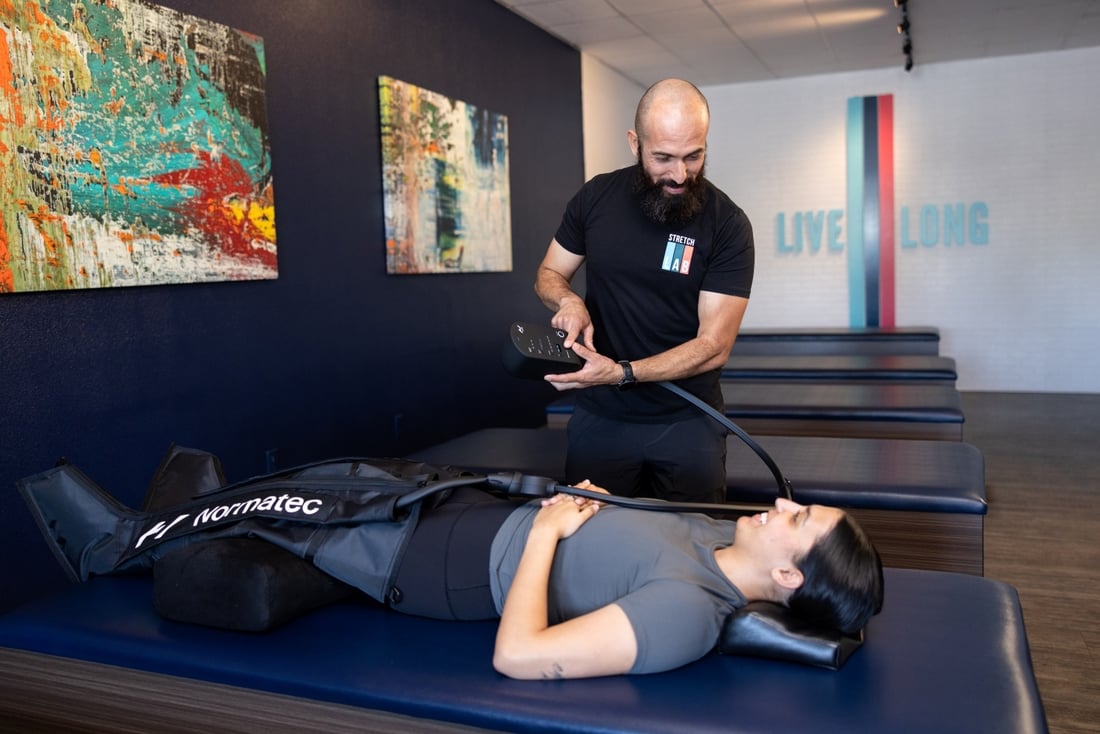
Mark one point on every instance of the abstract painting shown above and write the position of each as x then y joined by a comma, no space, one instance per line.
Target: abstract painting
133,148
444,183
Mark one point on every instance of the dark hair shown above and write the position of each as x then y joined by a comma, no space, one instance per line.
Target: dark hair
842,579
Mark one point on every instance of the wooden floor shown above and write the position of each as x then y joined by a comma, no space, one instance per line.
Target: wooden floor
1042,535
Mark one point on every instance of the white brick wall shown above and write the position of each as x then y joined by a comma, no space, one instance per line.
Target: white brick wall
1021,313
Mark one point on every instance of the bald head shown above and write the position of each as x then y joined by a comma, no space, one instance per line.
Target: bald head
671,102
669,140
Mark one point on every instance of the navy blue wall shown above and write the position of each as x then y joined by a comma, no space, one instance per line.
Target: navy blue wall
335,357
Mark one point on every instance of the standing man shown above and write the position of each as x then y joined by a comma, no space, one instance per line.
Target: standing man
669,269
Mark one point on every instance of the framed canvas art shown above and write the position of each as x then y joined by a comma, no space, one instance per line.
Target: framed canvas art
444,182
133,148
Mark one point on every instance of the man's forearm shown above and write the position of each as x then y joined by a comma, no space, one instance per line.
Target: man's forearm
553,289
687,360
719,321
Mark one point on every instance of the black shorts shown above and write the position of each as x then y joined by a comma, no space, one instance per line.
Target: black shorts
444,573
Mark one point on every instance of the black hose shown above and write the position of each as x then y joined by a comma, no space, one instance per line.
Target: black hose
784,484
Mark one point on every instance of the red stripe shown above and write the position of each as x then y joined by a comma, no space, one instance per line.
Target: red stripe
886,209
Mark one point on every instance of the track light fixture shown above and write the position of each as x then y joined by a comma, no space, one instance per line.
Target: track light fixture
903,30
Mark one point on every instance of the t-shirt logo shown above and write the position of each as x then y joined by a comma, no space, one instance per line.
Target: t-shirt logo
678,252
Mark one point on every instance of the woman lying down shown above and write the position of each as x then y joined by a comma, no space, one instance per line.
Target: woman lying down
587,589
582,588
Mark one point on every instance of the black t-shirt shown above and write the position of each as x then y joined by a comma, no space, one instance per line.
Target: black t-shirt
643,285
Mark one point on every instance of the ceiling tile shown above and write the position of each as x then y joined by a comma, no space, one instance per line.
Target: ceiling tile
726,41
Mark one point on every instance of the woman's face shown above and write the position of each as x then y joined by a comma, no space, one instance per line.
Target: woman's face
787,532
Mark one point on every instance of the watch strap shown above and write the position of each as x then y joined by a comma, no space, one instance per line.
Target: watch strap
628,375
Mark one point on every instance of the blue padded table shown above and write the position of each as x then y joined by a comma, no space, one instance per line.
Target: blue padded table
892,368
949,653
839,340
840,409
923,502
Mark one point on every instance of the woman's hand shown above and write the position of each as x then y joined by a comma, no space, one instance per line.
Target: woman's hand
563,514
591,488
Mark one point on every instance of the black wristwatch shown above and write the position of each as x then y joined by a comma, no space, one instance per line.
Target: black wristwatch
628,375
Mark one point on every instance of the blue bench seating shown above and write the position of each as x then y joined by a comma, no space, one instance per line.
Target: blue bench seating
923,502
948,653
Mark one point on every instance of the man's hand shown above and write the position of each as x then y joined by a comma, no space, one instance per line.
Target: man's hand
597,370
552,284
573,318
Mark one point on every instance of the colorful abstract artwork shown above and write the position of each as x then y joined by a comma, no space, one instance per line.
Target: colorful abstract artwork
445,183
133,148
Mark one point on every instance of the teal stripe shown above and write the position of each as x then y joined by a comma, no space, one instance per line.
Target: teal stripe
857,303
670,252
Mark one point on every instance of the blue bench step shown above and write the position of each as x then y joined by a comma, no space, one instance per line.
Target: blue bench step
840,409
839,340
892,368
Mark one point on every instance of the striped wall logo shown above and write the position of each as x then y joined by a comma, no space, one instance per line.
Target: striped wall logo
873,227
871,283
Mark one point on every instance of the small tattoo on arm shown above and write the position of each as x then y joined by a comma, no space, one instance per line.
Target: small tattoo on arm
555,672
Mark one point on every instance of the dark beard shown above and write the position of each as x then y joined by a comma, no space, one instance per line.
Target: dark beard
671,211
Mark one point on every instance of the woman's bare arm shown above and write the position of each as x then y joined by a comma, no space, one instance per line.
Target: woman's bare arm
599,643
